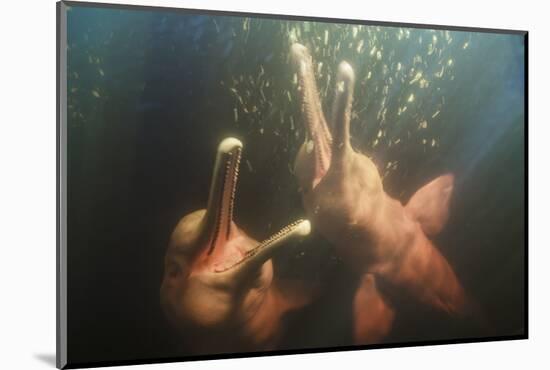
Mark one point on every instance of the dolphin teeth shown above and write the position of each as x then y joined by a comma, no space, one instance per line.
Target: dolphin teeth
297,225
232,178
231,150
300,227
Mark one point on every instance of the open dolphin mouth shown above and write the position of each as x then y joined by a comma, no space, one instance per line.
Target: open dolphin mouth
219,228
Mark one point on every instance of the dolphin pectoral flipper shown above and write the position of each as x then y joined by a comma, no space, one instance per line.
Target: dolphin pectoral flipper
430,204
373,316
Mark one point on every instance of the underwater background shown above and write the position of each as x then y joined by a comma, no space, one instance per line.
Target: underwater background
151,93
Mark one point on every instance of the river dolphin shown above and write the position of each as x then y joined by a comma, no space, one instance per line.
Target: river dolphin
378,237
218,284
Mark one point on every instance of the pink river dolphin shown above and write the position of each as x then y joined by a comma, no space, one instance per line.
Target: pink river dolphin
219,285
377,236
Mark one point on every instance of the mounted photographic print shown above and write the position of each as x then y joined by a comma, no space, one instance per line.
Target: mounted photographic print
235,184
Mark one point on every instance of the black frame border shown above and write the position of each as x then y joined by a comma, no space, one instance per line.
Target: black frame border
61,187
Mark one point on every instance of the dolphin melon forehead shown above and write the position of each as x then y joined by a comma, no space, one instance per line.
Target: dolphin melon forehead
229,144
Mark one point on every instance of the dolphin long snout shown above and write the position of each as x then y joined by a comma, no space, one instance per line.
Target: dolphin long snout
345,73
298,53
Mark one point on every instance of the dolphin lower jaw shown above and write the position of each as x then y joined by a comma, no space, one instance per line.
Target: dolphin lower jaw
256,256
341,109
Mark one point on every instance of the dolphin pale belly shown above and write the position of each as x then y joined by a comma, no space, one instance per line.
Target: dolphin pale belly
375,235
218,282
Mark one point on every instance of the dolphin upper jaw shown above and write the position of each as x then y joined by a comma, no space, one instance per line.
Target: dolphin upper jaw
317,146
